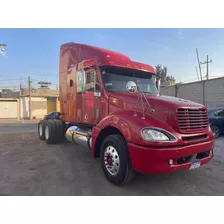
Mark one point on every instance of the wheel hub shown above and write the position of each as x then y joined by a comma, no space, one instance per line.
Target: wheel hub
40,130
47,132
111,160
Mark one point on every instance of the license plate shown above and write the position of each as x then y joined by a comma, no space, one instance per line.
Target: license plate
195,165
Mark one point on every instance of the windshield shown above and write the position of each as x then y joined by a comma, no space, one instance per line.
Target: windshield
116,78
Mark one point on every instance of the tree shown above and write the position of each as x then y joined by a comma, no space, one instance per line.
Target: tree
170,78
7,91
161,73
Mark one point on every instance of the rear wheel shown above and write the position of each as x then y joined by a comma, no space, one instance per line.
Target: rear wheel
115,160
215,130
50,132
59,128
41,130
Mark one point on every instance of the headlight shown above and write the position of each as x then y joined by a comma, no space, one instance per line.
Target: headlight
153,134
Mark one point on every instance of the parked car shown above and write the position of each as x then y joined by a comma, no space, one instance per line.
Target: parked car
52,115
216,120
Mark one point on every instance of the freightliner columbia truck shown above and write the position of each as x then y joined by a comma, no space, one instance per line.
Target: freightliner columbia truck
112,106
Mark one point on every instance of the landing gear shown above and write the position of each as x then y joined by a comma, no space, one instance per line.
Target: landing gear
115,160
51,131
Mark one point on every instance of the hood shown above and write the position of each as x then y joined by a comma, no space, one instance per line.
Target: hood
165,107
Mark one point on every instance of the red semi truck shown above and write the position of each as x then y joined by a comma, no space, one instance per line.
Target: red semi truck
111,105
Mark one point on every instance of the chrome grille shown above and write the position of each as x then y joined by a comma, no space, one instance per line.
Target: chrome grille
190,120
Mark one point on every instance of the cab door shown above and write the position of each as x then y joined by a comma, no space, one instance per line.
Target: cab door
91,106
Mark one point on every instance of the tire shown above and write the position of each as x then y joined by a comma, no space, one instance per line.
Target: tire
41,129
215,130
59,130
121,172
50,132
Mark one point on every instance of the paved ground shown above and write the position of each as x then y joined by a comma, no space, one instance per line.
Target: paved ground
28,166
17,127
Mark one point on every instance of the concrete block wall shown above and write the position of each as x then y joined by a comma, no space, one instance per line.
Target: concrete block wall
39,92
169,91
208,92
214,93
38,104
191,91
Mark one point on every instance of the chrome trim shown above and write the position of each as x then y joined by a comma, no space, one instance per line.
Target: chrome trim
80,136
160,130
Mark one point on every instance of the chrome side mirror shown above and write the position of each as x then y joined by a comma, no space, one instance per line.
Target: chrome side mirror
131,87
97,94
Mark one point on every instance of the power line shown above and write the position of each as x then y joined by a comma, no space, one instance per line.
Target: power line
9,87
21,80
27,73
5,80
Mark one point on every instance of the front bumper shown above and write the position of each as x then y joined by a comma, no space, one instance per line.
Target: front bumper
155,160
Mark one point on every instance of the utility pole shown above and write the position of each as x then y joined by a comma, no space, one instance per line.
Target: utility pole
206,62
197,72
199,65
30,109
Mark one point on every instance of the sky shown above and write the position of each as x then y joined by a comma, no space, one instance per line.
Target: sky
35,52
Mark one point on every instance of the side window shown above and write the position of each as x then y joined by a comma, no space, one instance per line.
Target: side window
220,113
92,81
80,80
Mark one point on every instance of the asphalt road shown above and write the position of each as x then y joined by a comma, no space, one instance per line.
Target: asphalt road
29,166
17,127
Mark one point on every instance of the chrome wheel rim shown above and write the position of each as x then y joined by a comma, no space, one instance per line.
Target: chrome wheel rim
46,132
111,160
215,131
40,129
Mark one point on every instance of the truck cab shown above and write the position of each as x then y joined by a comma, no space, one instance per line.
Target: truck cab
112,105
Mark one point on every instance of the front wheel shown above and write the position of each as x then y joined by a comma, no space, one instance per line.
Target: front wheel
115,160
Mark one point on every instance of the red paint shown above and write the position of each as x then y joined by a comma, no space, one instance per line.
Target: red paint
117,110
109,161
155,160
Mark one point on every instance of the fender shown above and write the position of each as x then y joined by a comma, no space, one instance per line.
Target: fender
130,127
